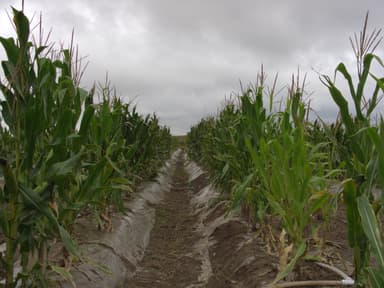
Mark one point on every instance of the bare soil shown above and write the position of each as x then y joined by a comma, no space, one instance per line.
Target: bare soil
169,258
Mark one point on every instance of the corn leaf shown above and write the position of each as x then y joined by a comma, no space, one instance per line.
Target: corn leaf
67,241
10,48
371,228
65,167
376,277
349,194
341,102
22,26
63,272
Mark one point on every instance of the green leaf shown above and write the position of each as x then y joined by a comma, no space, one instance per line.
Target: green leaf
33,199
67,241
65,167
114,166
362,81
356,96
238,193
375,138
341,102
371,228
10,48
63,272
9,178
373,102
92,182
4,223
349,194
319,199
86,120
376,277
22,27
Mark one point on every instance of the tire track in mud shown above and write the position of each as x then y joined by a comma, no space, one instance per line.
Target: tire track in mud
170,259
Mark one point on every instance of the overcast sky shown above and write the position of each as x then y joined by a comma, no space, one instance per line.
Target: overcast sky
180,59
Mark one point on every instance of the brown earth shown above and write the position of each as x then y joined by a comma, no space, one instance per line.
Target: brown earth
169,258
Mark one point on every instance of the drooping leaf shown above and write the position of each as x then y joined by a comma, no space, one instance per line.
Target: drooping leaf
341,102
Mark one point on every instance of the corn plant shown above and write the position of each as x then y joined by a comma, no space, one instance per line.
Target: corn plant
60,153
252,129
357,150
372,230
149,143
267,162
370,209
292,175
28,216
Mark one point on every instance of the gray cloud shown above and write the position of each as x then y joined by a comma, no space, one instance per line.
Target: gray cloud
180,59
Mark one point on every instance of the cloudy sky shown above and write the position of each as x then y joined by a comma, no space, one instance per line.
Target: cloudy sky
180,59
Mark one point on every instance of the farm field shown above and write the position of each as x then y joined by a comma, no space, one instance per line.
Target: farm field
95,194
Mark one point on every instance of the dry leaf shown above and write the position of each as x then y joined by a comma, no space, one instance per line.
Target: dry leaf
284,255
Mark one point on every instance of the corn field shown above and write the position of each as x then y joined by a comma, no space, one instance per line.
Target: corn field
61,153
272,162
64,154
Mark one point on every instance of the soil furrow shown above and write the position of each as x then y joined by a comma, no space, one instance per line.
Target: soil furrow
169,259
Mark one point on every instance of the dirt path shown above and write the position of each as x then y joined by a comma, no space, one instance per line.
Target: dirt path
169,259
